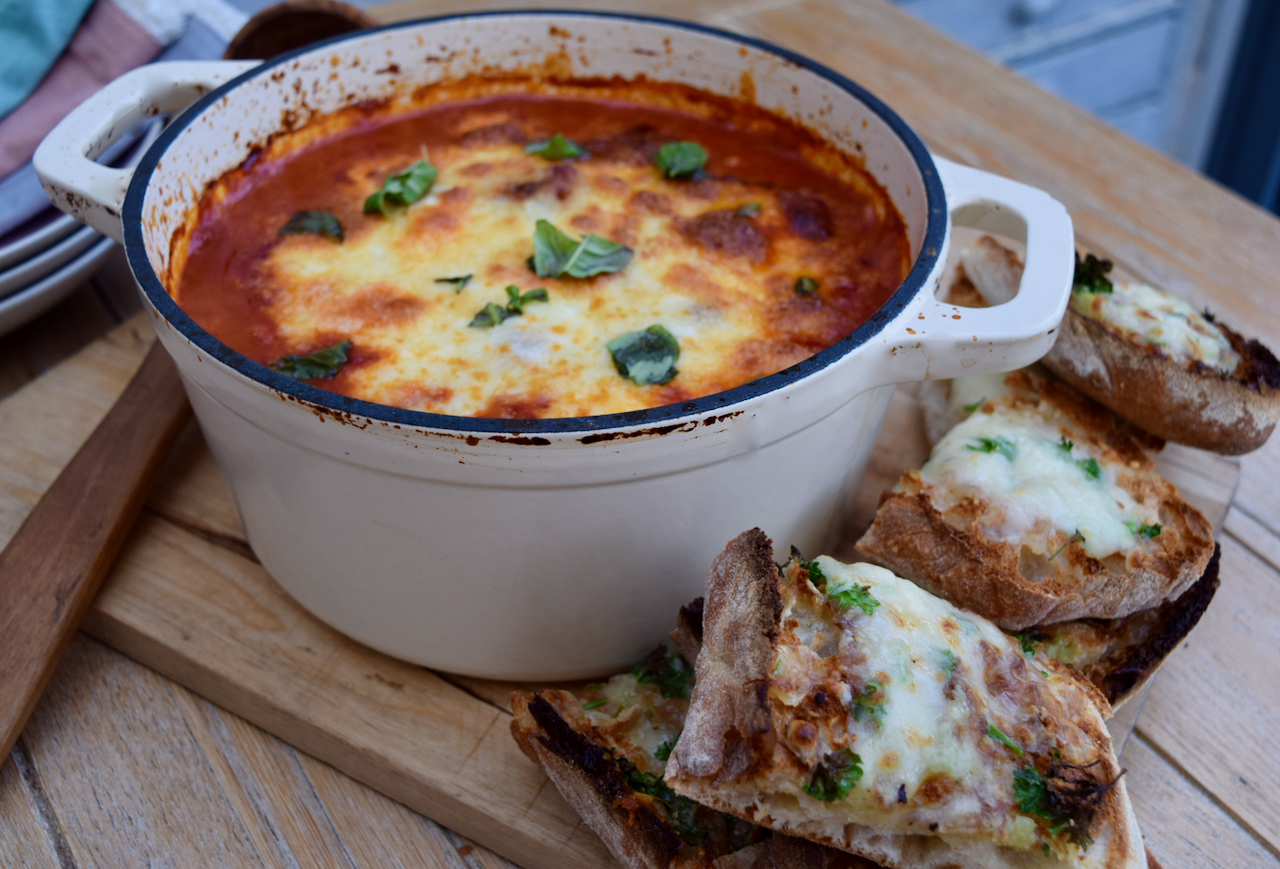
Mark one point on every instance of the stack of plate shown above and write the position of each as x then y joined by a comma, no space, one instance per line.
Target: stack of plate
47,257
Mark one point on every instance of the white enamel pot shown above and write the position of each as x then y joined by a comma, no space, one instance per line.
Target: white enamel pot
542,549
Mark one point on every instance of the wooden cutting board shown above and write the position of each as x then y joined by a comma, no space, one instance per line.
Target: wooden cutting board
188,599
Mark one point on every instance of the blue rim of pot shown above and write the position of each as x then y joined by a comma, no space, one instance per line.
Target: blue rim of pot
930,248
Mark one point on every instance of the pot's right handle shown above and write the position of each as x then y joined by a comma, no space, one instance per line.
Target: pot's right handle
936,340
94,194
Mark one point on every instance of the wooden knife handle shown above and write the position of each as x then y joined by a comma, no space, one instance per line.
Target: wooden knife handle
53,566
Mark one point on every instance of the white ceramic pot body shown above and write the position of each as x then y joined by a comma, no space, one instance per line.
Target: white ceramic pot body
543,549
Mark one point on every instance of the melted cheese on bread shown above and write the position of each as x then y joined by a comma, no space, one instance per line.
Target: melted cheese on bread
1146,315
940,707
1041,483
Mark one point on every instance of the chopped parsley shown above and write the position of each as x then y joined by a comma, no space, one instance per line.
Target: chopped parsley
668,671
863,705
994,733
555,148
750,209
595,704
681,810
1000,445
402,188
1076,537
647,356
970,408
681,159
807,286
459,283
1151,532
855,596
949,662
663,752
1066,445
835,776
555,254
1091,468
320,365
313,223
493,314
1067,806
1026,641
1091,275
816,576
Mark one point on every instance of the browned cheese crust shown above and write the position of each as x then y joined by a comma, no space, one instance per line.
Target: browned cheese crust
1119,656
1196,405
948,554
735,740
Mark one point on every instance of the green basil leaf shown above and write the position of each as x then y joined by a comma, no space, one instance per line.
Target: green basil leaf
490,315
459,283
517,300
680,159
647,356
555,148
807,286
314,223
1091,275
555,253
751,209
319,365
402,188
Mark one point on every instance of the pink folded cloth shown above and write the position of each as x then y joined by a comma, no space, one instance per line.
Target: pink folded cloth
110,42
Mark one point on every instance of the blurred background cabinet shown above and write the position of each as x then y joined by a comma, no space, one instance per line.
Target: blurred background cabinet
1156,69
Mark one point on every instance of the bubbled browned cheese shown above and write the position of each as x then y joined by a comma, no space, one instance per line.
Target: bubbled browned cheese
722,279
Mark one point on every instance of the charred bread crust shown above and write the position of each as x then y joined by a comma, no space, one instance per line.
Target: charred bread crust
1195,405
1198,406
723,755
729,724
948,554
583,771
1119,655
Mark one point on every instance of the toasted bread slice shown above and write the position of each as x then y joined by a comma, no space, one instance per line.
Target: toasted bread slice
1041,508
1119,656
878,719
1150,357
608,763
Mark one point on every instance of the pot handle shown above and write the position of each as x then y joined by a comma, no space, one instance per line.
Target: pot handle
939,340
94,194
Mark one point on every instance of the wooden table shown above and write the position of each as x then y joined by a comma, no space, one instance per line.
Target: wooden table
120,766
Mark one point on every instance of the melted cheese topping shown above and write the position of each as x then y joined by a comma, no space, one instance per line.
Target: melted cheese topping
1039,492
721,281
943,678
1146,315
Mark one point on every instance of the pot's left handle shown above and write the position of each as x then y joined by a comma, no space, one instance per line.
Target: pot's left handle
94,194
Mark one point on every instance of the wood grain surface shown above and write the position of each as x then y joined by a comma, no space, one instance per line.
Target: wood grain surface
122,766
